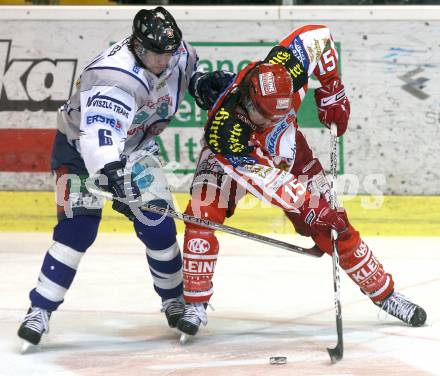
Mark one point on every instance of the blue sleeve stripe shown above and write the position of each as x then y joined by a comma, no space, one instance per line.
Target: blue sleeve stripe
165,267
123,71
94,62
187,57
196,63
178,90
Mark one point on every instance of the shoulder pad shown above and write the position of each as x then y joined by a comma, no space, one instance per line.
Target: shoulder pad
284,56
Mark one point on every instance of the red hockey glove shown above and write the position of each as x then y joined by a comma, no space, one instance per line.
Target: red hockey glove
333,105
321,218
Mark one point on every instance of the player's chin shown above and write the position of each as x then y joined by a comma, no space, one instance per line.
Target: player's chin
157,70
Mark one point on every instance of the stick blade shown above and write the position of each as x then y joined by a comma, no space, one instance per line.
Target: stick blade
314,251
336,354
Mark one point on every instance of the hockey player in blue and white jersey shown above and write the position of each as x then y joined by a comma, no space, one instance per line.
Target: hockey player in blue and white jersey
125,97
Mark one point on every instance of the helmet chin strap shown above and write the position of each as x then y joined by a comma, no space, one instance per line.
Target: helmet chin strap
247,104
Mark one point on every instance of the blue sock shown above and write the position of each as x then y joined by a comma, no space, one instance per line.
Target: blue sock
72,237
163,253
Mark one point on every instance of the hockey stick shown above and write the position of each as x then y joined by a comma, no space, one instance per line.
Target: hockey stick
314,251
336,353
169,212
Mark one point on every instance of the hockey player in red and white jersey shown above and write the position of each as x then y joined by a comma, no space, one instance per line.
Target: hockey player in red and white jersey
253,144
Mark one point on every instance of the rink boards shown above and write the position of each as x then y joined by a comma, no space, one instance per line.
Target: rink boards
388,62
371,215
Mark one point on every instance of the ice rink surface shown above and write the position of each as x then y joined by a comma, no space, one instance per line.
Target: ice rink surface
268,302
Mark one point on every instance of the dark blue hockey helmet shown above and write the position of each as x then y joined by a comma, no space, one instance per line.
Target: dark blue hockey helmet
157,30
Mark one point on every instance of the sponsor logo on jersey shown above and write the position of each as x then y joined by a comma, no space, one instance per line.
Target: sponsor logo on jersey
279,180
100,119
139,128
297,48
286,57
136,68
318,48
296,71
235,144
199,245
162,110
140,118
291,118
199,267
261,171
240,160
104,101
34,84
273,137
219,118
361,251
152,129
207,168
311,54
366,271
152,104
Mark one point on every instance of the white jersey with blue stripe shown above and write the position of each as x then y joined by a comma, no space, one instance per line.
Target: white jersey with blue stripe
119,106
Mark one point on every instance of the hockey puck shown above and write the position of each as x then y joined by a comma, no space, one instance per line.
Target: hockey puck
278,360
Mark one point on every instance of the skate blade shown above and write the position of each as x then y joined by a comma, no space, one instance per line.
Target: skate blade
184,338
26,347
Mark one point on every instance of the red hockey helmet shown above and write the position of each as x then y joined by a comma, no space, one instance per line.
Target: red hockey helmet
270,90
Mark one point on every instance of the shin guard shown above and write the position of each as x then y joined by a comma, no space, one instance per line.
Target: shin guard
200,250
367,272
359,262
163,253
72,237
199,258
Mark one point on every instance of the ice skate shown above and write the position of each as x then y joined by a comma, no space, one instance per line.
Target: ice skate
173,309
34,325
399,306
193,317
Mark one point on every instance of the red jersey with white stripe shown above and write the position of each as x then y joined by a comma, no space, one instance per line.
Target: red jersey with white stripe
314,48
214,194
